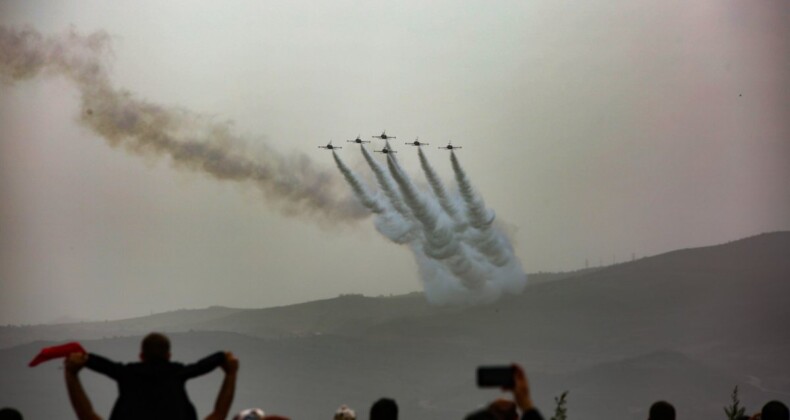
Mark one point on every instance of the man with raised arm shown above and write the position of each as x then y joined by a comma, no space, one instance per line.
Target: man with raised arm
154,388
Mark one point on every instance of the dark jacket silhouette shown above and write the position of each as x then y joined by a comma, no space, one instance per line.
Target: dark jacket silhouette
153,389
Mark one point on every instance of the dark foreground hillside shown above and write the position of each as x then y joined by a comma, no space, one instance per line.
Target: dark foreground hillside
685,326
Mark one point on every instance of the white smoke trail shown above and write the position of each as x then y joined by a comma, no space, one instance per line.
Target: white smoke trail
438,187
510,276
293,183
356,185
486,241
439,241
450,272
399,225
477,213
441,286
385,182
485,238
389,223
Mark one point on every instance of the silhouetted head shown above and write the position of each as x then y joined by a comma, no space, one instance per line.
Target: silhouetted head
384,409
10,414
503,409
345,413
483,414
775,410
250,414
155,348
662,410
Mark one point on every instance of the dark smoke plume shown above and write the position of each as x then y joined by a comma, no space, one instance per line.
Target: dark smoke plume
193,142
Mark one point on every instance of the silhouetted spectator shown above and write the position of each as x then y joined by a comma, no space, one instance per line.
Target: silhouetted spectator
384,409
773,410
256,414
662,410
84,409
500,409
345,413
8,413
504,409
153,389
484,414
250,414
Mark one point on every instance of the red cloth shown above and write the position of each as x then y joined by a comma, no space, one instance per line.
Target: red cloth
63,350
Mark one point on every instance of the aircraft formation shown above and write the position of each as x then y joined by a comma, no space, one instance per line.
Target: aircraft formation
387,149
461,253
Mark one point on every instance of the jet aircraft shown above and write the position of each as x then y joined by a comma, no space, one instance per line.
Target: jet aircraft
386,151
329,146
358,140
450,146
384,136
417,143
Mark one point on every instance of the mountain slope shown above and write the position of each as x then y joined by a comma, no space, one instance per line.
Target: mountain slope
686,325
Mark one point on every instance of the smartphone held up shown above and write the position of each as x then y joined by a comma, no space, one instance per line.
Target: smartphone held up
495,377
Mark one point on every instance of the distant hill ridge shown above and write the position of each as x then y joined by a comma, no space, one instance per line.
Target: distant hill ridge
356,314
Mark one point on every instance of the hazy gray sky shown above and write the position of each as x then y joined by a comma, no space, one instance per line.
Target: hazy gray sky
594,129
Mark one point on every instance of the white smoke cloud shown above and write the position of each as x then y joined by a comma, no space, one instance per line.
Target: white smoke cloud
458,263
461,256
439,241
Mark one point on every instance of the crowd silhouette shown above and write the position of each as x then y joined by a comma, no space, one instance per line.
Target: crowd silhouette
155,388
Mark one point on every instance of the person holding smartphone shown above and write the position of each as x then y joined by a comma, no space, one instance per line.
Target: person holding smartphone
511,378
